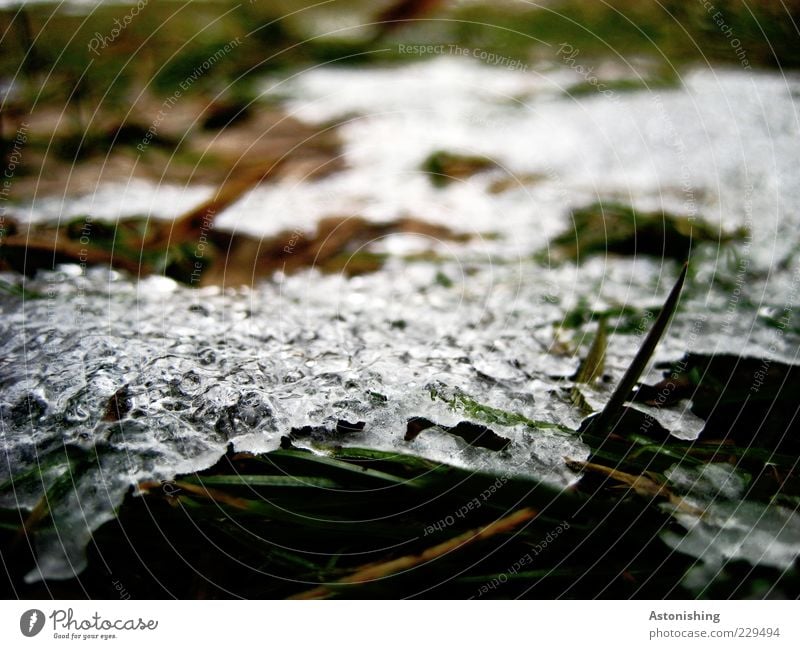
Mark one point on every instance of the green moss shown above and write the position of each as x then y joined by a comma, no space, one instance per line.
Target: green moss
490,415
444,167
615,228
620,86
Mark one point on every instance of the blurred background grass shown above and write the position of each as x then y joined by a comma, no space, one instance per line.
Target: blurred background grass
45,54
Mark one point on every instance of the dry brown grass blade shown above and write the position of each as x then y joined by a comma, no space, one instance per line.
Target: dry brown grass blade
592,366
198,490
245,259
372,572
39,512
641,484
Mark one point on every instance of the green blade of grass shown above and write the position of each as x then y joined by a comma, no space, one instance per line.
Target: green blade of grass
265,481
328,467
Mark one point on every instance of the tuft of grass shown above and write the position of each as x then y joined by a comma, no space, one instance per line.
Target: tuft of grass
353,522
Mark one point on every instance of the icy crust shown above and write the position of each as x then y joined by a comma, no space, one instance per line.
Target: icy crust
112,200
202,369
730,529
197,370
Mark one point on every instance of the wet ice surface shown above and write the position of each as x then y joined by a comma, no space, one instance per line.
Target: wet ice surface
730,529
205,368
209,368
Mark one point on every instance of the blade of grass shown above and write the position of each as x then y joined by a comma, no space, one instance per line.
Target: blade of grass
603,423
641,484
216,495
381,570
592,366
492,415
78,463
288,460
264,481
402,461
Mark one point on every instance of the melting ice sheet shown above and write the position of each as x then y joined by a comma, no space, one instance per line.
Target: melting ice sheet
730,529
204,369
